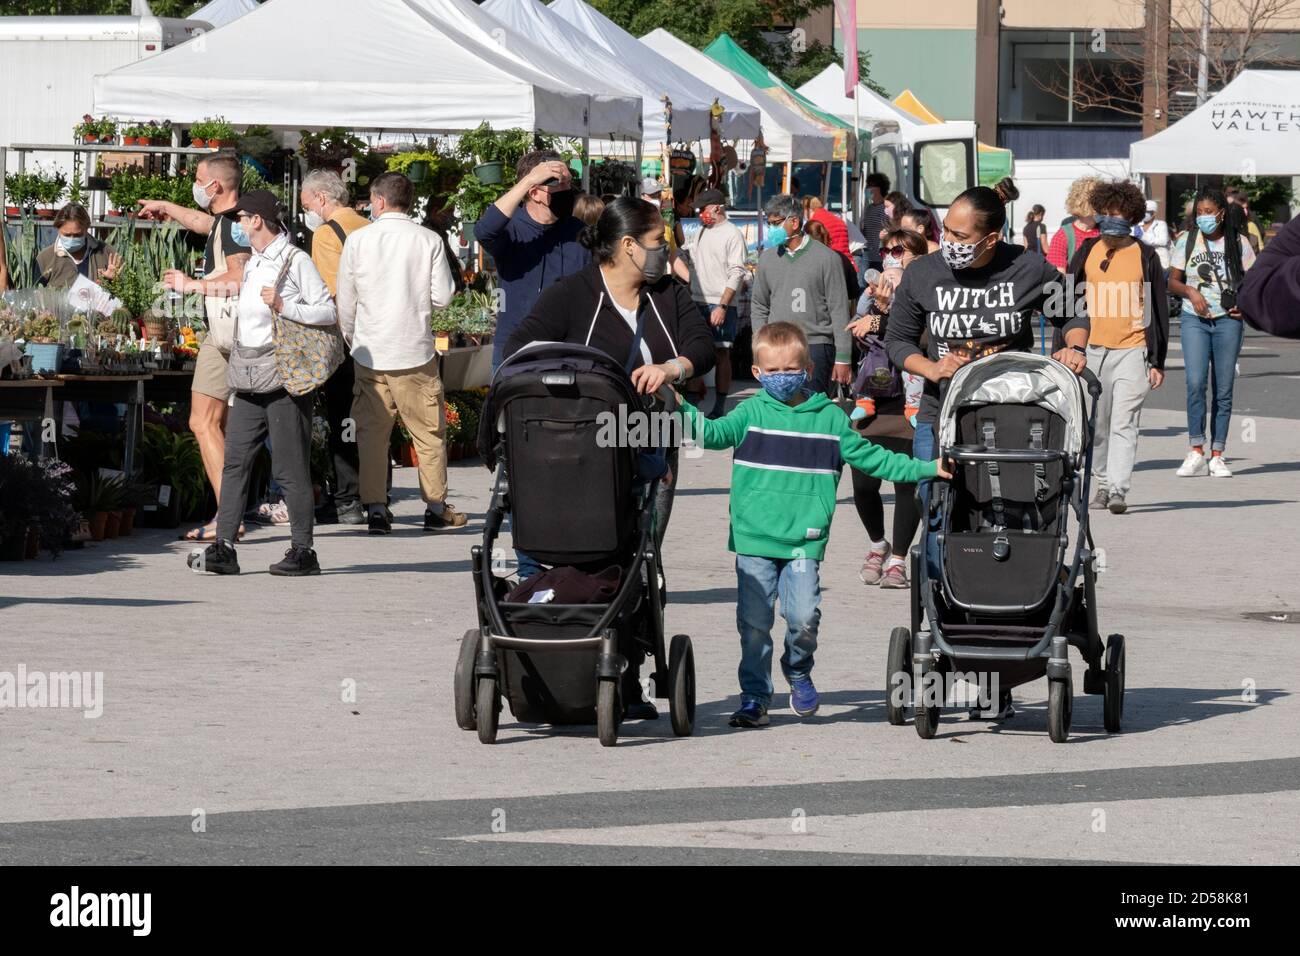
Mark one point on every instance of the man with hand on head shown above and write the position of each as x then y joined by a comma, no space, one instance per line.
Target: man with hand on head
532,236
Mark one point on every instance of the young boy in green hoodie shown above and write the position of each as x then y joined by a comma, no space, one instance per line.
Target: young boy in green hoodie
790,447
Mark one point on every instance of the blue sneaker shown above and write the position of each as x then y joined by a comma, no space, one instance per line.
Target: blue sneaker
803,697
751,714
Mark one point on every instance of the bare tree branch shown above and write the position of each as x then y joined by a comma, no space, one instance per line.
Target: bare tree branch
1241,36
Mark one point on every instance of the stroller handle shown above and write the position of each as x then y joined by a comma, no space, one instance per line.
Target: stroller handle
1091,380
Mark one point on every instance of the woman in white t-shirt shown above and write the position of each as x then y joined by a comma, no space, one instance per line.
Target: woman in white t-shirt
1206,268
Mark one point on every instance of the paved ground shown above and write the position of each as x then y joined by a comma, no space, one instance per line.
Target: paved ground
225,696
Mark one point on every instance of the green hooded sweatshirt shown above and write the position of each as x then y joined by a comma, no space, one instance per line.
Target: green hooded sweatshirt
786,470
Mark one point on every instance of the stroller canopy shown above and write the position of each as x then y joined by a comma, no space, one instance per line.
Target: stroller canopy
1020,378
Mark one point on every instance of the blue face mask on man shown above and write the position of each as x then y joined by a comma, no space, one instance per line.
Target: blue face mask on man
1207,223
776,236
1114,226
784,386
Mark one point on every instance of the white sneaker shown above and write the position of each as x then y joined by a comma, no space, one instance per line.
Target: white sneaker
1219,468
1193,465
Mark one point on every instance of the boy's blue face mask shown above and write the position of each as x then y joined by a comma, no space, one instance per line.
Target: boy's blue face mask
783,386
1114,226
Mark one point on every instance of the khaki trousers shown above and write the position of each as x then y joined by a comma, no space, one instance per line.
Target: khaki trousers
377,399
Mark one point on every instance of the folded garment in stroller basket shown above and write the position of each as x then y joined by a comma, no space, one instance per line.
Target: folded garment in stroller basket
570,586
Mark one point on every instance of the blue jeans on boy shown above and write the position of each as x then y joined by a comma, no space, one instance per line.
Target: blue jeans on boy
1210,350
760,583
924,448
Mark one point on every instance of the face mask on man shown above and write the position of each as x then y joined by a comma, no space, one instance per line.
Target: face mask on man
776,236
1207,223
561,204
239,235
201,197
959,255
656,262
72,244
784,386
1114,226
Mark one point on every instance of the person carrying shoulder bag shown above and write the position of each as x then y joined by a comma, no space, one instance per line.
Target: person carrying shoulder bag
286,344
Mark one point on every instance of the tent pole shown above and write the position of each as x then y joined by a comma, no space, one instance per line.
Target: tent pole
857,160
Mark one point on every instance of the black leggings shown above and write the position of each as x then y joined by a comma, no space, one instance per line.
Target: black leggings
871,509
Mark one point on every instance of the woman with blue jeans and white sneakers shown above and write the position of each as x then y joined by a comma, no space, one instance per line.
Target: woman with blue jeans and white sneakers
1206,268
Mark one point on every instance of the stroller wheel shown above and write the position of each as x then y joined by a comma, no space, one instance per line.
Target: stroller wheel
488,707
927,718
899,679
463,684
609,712
1060,707
1112,705
681,685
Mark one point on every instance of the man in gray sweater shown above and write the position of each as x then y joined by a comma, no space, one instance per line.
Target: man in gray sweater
801,281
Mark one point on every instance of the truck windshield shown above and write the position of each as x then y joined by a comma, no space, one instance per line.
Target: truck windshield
942,171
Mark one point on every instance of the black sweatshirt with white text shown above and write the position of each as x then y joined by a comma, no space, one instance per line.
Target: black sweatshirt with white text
983,310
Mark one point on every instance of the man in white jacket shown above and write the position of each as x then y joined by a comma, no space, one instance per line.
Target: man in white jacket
392,274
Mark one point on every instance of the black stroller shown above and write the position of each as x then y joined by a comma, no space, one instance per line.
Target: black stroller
1007,605
556,428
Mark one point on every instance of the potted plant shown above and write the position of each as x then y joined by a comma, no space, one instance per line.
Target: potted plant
172,461
329,148
490,152
98,498
212,133
56,516
50,189
91,130
23,189
41,337
87,131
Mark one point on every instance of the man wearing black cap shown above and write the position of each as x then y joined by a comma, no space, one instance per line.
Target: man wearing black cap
278,279
717,254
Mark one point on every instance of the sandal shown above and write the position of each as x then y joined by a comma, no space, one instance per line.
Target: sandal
208,532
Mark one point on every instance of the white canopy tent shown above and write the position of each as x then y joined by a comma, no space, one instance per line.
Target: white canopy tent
788,136
691,111
739,120
243,72
220,12
1249,128
614,112
826,89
